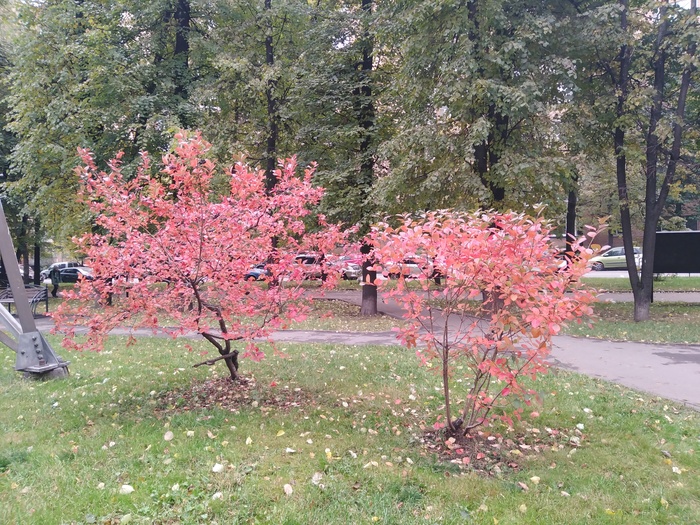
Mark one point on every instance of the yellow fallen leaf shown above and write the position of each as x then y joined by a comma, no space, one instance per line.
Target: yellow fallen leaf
535,479
522,508
248,441
609,511
664,503
280,433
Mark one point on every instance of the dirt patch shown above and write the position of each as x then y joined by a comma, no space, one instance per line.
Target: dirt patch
493,453
222,393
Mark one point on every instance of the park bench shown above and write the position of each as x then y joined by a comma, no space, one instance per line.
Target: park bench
34,294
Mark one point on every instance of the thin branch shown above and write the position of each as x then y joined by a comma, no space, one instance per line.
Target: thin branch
210,362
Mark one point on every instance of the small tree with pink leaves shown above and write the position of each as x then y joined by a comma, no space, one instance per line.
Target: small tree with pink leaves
506,293
168,246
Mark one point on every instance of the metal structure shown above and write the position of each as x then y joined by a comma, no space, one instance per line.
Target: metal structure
677,252
35,357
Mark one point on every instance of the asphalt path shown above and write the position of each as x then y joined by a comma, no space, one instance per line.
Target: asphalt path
667,371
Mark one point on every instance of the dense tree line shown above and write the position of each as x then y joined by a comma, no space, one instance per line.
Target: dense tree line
405,105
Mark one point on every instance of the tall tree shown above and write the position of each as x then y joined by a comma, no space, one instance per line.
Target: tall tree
335,104
104,75
642,75
473,99
252,51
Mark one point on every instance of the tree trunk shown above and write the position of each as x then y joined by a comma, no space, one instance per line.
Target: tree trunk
486,152
570,235
232,365
183,18
272,106
23,249
369,287
622,88
366,115
366,120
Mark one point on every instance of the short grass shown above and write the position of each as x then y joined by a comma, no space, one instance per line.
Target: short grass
663,283
668,323
350,451
339,316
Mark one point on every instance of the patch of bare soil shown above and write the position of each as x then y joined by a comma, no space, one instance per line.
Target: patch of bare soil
222,393
492,453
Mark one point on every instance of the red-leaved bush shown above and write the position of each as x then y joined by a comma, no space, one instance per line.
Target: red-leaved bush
506,292
169,250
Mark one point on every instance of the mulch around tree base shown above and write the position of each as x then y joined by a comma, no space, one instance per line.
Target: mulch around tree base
222,393
493,453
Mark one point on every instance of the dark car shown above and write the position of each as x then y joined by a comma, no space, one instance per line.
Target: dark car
60,265
257,273
72,275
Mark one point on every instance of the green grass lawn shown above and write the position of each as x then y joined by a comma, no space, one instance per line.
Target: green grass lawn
339,316
661,284
328,434
669,323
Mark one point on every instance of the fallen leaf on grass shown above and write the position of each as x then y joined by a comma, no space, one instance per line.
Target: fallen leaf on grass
168,436
126,489
288,490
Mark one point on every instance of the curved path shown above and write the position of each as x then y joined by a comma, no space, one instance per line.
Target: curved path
669,371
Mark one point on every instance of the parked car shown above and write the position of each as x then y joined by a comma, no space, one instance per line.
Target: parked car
73,274
409,268
614,258
257,273
31,272
313,265
45,274
349,271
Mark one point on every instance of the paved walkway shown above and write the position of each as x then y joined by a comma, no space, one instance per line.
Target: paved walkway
668,371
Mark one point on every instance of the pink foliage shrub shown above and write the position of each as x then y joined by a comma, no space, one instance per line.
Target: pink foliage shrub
506,293
168,246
